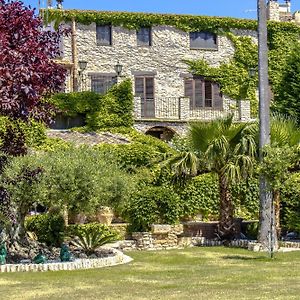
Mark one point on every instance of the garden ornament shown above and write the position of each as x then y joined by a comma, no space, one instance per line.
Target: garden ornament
40,259
65,254
3,254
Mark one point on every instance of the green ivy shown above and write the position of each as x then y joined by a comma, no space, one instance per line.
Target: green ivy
152,205
114,109
187,23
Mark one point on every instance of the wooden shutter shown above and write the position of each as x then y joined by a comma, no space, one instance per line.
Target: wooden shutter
208,90
149,84
217,96
139,87
189,91
199,92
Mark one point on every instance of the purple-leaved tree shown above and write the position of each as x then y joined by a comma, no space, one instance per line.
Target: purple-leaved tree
28,74
27,70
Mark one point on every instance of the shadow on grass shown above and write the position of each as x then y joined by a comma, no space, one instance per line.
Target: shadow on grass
242,257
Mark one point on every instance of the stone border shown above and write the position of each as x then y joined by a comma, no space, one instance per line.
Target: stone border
79,264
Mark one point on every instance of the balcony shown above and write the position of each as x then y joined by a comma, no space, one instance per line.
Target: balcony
178,109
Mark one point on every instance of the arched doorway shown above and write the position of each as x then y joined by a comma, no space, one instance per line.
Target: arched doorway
162,133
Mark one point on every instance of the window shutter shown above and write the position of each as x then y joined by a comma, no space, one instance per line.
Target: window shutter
149,87
217,96
139,87
188,90
198,93
208,89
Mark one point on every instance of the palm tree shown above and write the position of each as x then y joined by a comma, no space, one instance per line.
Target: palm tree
225,148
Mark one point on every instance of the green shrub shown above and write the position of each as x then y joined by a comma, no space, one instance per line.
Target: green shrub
91,236
143,151
152,204
49,228
114,109
53,144
201,195
34,131
290,204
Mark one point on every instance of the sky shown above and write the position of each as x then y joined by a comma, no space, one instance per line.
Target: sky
223,8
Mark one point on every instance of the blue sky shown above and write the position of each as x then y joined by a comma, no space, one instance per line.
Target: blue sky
232,8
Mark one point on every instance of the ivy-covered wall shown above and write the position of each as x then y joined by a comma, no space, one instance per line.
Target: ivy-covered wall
232,72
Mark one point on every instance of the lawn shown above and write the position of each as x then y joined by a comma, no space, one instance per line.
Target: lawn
196,273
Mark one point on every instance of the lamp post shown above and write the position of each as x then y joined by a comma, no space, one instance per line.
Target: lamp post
267,233
82,64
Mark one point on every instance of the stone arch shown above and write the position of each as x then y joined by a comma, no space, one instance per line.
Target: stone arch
164,133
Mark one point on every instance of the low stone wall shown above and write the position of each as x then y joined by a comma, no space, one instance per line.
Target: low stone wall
116,259
200,229
160,237
286,244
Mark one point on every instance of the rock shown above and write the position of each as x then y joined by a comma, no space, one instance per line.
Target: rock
83,255
160,229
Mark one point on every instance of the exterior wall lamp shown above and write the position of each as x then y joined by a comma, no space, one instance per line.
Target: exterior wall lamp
82,66
118,68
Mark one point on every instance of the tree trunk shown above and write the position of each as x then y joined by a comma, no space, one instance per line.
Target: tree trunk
17,231
227,226
66,215
267,234
276,197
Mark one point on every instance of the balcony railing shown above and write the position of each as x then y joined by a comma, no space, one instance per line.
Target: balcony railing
176,109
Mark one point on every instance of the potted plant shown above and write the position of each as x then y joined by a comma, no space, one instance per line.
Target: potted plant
104,215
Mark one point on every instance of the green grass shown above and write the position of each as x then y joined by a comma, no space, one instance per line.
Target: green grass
196,273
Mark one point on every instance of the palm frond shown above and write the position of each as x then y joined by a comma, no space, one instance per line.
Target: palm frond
284,131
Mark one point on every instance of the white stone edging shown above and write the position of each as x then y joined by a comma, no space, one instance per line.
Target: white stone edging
78,264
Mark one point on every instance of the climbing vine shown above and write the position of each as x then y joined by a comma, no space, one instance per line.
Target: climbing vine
233,76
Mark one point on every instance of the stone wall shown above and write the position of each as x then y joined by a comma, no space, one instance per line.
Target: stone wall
164,59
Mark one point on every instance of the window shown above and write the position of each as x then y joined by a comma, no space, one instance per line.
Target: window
144,88
203,40
144,36
203,93
103,35
101,83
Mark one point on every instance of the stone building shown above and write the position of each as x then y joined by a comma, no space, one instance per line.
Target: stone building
281,11
167,96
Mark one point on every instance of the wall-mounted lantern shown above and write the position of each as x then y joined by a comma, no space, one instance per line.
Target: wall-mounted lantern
82,66
118,68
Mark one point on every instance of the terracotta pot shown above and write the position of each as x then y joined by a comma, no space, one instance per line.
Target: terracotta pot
105,215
